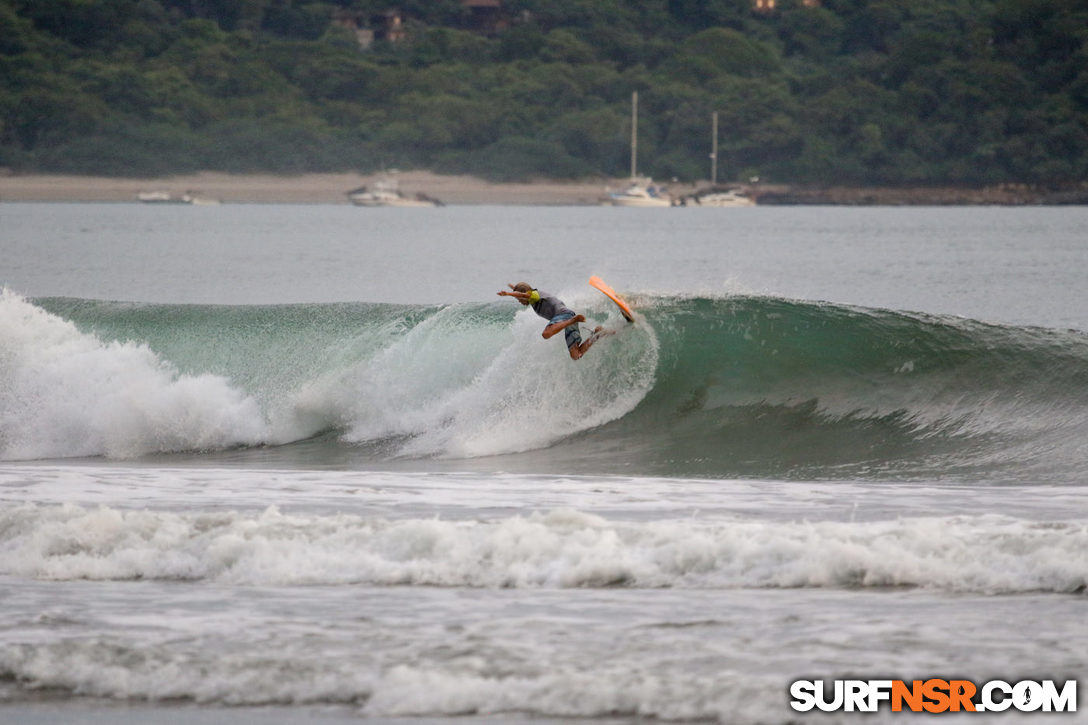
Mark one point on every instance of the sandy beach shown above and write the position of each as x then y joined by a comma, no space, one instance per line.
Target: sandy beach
457,190
304,189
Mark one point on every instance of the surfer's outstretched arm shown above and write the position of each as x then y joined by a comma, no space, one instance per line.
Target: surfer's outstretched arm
522,297
522,292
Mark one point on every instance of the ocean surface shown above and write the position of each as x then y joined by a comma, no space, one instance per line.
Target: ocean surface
276,464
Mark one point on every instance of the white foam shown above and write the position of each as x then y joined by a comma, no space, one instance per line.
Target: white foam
67,393
603,690
562,548
258,674
461,383
155,671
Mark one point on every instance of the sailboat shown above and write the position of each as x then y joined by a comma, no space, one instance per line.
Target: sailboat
716,196
639,191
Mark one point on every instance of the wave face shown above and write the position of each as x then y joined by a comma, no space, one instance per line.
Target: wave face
735,386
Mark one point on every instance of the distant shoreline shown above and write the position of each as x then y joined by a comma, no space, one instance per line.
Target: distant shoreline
457,190
1002,195
300,189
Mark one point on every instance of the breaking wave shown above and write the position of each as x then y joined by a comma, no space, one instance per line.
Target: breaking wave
562,548
733,386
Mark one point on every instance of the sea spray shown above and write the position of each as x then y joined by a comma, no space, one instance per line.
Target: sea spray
527,394
68,393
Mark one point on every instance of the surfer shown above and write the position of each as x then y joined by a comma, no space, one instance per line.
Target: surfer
560,317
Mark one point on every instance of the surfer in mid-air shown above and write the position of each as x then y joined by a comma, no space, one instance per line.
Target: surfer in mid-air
560,317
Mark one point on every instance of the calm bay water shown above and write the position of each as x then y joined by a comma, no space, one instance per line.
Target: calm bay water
1015,265
301,462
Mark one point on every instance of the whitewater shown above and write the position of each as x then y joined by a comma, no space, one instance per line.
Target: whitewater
299,462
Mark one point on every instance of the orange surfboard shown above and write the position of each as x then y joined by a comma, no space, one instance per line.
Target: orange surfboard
625,309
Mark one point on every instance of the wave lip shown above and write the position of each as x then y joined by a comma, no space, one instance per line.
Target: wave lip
563,548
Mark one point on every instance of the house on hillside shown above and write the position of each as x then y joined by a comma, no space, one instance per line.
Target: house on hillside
388,25
481,16
769,6
485,16
350,21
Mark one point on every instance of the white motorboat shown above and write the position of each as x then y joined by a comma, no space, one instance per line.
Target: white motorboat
164,197
731,197
386,192
192,197
641,192
157,197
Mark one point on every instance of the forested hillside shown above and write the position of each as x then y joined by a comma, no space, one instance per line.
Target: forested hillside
891,92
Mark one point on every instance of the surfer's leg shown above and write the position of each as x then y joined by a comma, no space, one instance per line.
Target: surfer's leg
577,348
557,327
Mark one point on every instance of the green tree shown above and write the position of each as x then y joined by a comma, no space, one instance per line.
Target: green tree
856,91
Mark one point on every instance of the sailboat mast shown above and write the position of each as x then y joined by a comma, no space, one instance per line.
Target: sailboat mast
634,134
714,153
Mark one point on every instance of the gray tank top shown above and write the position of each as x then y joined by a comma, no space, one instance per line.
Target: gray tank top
549,306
